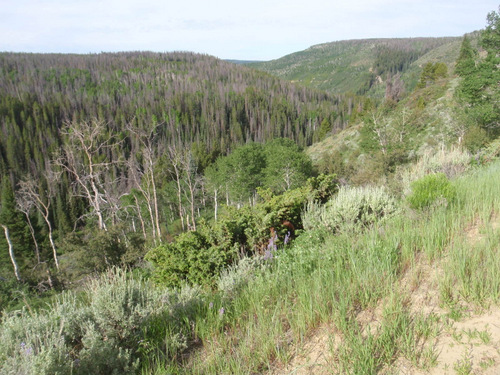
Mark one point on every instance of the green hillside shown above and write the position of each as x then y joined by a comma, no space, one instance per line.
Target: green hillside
357,65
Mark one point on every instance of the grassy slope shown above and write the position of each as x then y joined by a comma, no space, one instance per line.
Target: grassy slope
415,294
394,297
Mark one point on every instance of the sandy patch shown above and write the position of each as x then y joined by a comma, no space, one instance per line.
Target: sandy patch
313,357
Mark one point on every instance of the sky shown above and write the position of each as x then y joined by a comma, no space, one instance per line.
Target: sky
228,29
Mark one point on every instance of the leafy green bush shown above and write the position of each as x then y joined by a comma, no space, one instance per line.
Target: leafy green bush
11,293
191,258
429,190
351,209
475,139
102,330
94,251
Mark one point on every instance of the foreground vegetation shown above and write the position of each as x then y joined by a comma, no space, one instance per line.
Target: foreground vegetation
264,307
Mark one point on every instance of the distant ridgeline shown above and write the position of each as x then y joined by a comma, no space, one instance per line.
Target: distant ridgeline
195,99
356,65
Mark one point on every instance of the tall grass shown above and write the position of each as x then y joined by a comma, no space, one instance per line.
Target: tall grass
472,268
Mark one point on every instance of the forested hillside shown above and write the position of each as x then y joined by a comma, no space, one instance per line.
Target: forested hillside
95,141
194,99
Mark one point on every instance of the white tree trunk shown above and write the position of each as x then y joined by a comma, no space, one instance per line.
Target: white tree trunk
216,204
140,218
52,244
11,253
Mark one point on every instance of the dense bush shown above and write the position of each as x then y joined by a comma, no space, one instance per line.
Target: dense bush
351,209
431,189
190,258
103,330
90,252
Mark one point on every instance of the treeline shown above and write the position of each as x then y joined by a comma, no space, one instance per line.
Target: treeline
353,65
397,55
395,58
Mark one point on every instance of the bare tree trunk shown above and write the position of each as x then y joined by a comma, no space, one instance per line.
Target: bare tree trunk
28,193
155,203
150,192
97,203
25,204
174,159
147,196
86,143
191,192
216,204
11,253
179,198
54,252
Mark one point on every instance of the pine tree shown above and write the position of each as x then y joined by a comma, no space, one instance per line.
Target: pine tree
465,61
490,37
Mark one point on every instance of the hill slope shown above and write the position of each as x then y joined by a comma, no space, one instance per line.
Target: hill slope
355,65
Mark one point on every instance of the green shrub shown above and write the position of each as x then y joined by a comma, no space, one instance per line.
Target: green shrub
198,257
94,251
11,293
351,209
475,139
452,162
431,189
191,258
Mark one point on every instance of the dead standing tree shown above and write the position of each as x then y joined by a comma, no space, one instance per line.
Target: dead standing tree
11,252
85,156
175,159
192,183
25,206
143,175
183,170
28,195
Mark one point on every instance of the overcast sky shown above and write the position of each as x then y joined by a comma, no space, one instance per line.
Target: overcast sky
229,29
